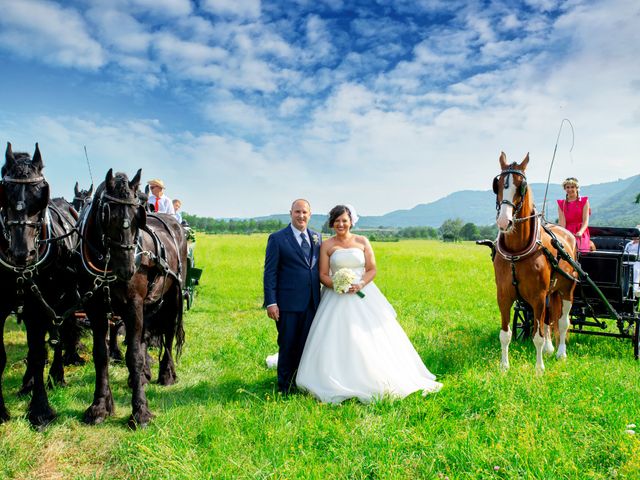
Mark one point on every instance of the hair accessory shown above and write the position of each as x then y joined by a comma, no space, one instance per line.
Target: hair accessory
352,214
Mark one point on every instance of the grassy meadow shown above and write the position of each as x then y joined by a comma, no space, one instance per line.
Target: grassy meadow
222,419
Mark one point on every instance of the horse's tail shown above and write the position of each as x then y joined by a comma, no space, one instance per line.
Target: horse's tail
179,326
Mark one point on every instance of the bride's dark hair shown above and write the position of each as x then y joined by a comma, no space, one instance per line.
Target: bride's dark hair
336,212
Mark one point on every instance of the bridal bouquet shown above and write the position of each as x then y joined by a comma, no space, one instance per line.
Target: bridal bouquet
343,279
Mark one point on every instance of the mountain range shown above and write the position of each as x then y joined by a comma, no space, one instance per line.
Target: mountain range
612,204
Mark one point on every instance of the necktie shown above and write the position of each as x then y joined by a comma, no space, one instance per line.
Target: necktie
157,203
306,248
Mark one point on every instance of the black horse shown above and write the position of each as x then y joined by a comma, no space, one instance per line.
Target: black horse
38,243
133,268
81,197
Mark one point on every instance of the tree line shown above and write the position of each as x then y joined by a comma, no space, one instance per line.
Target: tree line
451,230
238,226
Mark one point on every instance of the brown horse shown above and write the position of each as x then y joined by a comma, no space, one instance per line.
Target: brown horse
524,264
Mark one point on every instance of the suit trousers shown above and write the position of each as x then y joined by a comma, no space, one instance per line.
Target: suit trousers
293,329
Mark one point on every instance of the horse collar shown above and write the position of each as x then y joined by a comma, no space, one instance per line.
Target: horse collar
528,250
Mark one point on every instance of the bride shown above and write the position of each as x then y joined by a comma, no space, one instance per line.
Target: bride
355,347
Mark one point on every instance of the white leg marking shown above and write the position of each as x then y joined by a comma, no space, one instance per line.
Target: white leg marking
563,325
538,341
505,340
548,344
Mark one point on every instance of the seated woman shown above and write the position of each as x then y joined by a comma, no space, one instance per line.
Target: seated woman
573,213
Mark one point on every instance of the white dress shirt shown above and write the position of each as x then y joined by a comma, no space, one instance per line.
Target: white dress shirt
165,205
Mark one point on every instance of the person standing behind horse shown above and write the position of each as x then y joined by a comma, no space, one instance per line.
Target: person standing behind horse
573,213
161,203
292,288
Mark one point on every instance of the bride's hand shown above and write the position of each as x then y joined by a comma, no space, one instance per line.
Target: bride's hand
356,287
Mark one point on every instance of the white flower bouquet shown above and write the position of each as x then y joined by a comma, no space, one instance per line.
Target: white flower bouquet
343,279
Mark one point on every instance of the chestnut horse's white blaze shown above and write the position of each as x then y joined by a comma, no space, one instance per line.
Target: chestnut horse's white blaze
505,214
522,269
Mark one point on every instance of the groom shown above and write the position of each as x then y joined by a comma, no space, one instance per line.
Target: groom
292,288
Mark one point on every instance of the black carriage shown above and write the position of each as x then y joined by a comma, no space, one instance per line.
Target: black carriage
193,273
604,293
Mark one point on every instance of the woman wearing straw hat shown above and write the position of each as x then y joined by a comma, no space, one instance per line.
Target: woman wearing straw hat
573,213
161,203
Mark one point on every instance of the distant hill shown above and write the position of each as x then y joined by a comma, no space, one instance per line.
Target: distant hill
612,204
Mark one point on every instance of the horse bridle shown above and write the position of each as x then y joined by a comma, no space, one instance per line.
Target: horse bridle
20,204
105,214
523,189
42,219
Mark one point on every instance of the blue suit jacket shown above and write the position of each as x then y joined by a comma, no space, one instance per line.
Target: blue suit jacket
289,280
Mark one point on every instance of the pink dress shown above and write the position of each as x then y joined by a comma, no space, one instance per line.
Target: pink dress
573,216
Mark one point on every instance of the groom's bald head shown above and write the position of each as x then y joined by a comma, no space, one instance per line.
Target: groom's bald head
301,200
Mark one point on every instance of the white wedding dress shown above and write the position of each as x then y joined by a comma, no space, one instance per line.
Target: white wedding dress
356,348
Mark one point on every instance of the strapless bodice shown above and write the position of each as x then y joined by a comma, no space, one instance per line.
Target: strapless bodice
352,258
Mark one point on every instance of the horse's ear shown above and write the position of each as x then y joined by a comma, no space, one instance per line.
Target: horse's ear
525,162
37,159
135,181
76,190
108,180
503,161
146,189
91,190
8,156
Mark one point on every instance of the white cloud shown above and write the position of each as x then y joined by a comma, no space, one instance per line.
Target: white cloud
247,9
48,32
176,53
162,7
291,106
120,30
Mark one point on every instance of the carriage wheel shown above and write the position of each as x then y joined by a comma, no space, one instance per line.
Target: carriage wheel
636,340
522,321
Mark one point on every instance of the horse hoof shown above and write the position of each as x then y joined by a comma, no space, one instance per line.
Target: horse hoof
96,414
74,359
548,348
41,419
116,357
539,371
140,419
504,366
562,354
167,379
53,383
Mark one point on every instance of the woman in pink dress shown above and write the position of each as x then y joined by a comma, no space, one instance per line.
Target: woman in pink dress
573,213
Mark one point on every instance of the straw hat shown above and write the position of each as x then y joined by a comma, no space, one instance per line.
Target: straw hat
156,182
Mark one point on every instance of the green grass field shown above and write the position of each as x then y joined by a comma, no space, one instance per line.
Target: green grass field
222,419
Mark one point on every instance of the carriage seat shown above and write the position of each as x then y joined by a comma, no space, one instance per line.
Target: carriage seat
610,243
612,238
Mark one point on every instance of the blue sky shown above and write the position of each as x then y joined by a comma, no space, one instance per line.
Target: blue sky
241,106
